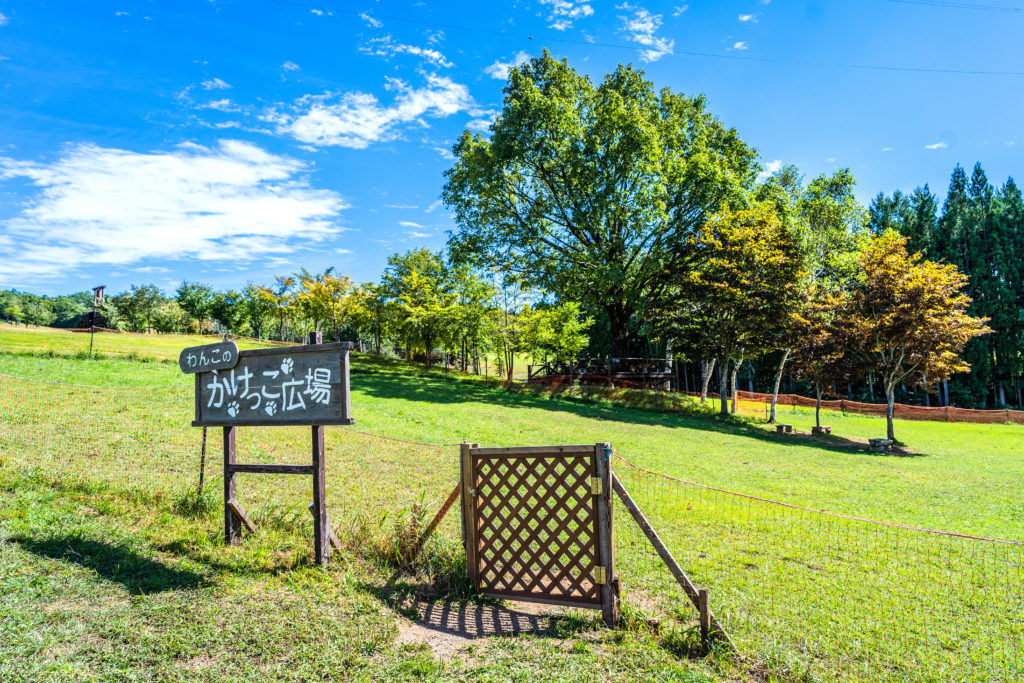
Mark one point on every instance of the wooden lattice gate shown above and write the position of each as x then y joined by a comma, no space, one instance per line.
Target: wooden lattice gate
538,524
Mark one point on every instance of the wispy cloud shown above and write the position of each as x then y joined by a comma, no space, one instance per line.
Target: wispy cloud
499,69
887,149
941,144
290,66
3,19
358,119
641,27
401,206
565,12
387,47
370,21
224,105
343,252
99,205
214,84
409,224
739,45
434,206
680,9
748,17
415,234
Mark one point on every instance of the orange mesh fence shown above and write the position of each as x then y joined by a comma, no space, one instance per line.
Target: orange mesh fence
901,411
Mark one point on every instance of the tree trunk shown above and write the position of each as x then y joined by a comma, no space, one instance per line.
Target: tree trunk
778,381
723,385
890,398
817,406
706,368
618,322
732,385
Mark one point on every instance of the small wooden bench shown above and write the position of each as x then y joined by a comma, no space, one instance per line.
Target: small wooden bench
783,429
824,429
880,445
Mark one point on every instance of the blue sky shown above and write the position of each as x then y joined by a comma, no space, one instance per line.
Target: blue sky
229,141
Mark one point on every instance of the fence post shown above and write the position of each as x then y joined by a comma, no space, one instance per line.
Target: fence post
606,551
468,512
704,609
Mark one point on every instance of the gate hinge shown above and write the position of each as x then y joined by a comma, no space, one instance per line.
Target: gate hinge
596,487
599,576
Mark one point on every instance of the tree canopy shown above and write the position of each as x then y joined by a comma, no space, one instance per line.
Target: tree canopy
593,193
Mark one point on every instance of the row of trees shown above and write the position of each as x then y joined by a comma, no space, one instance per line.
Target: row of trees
645,209
980,229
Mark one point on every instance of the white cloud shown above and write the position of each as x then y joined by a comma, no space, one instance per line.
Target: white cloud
434,206
320,12
739,45
370,21
214,84
680,9
565,12
748,17
401,206
290,66
1011,143
418,235
409,224
357,119
641,27
770,168
499,69
121,14
343,252
224,105
387,47
445,153
99,205
941,144
887,149
3,19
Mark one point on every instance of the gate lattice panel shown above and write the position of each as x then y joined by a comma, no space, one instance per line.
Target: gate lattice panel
538,523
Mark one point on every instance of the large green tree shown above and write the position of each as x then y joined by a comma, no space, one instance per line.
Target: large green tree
592,192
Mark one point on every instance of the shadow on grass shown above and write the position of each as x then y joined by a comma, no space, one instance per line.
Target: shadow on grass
475,618
136,572
386,382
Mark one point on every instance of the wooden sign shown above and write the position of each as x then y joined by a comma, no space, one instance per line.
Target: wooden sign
297,385
220,356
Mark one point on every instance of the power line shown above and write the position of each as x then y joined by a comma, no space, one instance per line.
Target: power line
949,4
670,53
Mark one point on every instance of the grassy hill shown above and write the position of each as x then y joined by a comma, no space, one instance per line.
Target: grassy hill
106,581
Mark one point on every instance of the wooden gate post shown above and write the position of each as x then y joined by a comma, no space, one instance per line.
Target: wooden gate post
231,523
606,549
468,510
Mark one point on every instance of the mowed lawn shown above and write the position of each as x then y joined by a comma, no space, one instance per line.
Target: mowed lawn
962,477
97,583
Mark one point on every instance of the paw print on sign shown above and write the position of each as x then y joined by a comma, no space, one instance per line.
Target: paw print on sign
287,365
233,409
271,408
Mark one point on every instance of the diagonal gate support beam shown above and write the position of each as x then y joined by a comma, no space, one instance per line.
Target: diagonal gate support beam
710,627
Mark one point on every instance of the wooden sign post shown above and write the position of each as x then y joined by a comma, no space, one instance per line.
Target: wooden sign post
298,385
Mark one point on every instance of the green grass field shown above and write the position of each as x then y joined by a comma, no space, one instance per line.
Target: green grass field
83,544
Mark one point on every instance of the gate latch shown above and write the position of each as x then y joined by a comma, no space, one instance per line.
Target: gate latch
599,576
595,486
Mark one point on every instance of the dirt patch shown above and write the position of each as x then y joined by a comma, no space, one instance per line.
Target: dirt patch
447,627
